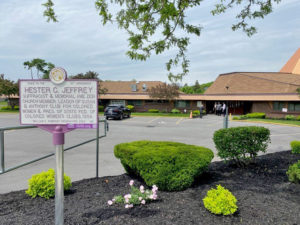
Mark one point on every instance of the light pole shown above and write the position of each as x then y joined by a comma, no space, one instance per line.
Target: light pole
225,124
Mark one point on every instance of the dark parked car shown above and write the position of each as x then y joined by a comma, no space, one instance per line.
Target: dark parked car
116,112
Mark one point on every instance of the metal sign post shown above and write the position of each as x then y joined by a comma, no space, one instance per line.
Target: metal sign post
59,106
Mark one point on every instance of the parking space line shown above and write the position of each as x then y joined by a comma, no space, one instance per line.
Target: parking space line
153,119
178,121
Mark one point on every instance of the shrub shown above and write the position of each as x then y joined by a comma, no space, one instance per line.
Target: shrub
195,113
290,117
131,107
294,172
43,184
8,108
171,166
175,111
257,115
220,201
243,117
295,145
298,118
153,111
235,118
100,108
241,143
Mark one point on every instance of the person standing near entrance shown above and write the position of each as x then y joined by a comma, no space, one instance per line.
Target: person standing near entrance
215,108
201,111
219,109
224,109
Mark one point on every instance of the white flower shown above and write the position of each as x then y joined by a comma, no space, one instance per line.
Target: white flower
143,202
131,182
126,206
110,202
130,206
154,188
140,198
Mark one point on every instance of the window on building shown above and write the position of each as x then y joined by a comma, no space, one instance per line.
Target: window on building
277,106
182,104
117,102
294,106
135,102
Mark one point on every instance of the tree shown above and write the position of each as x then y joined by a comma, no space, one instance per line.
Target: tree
39,65
164,91
91,75
196,89
154,26
9,88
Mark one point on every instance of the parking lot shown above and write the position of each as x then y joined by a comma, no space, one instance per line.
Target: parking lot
80,163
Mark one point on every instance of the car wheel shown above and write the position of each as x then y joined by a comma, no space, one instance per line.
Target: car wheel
107,118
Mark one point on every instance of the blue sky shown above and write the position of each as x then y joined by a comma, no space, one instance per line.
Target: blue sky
80,43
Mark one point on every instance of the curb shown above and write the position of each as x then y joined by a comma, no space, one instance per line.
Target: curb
281,124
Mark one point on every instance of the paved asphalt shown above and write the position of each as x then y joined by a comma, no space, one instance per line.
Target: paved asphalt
80,163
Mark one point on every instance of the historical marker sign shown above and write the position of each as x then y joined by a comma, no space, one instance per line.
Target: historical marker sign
72,103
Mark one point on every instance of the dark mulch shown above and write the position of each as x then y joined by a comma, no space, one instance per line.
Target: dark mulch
264,197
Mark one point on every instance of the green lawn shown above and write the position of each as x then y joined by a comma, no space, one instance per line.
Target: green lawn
156,114
2,104
287,122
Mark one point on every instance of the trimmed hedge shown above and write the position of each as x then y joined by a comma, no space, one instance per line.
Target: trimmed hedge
171,166
290,117
130,107
153,111
175,111
241,143
295,145
257,115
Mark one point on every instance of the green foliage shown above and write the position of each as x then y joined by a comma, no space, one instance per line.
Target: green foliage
131,107
294,172
241,143
9,88
8,108
196,88
295,145
235,118
298,118
290,117
175,111
196,113
153,111
171,166
41,66
43,184
257,115
243,117
156,26
220,201
100,108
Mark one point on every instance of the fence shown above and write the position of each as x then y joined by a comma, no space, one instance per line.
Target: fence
2,158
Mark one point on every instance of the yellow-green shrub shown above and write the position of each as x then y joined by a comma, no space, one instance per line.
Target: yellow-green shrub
220,201
295,145
43,184
294,172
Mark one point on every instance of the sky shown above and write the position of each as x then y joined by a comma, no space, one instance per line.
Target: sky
79,42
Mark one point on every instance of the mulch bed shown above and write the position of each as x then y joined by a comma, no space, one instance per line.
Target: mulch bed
263,192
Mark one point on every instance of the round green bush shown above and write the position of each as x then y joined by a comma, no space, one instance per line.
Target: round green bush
295,145
43,184
175,111
294,172
241,143
290,117
298,118
220,201
131,107
153,111
171,166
